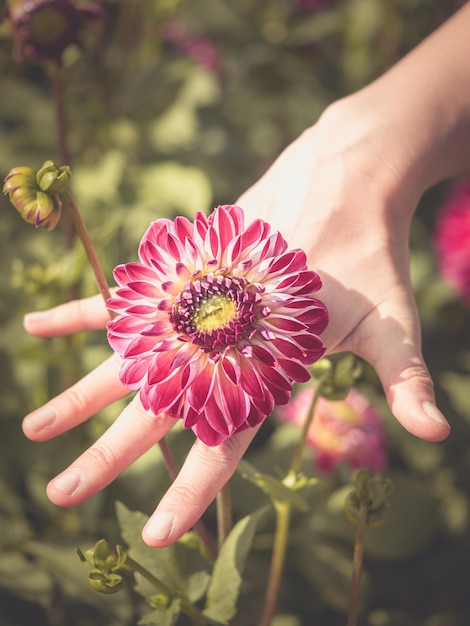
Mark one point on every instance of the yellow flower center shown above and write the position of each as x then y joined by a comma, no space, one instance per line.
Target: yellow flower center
216,312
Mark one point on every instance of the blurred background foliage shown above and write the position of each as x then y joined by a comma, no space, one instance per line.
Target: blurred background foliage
175,106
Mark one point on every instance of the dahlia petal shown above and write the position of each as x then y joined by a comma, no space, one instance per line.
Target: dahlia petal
139,271
231,400
120,275
212,244
160,368
133,372
275,378
306,283
234,212
224,224
157,329
282,263
126,325
288,348
233,251
263,355
295,370
287,324
141,309
139,346
167,394
145,289
118,343
207,434
253,235
254,418
183,228
199,392
216,418
189,416
231,369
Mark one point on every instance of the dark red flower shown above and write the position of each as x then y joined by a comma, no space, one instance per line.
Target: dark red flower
43,29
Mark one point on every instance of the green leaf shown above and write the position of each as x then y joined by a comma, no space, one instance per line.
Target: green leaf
273,487
180,568
226,579
162,617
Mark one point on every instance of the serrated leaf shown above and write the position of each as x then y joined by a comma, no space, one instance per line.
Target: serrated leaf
162,617
273,487
226,579
180,568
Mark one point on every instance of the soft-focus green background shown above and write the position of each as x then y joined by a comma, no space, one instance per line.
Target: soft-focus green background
155,132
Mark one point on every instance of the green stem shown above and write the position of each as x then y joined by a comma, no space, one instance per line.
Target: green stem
358,560
301,443
90,251
283,514
224,514
186,605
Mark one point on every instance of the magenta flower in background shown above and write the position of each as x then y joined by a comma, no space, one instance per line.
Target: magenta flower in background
216,321
344,431
200,49
43,29
452,239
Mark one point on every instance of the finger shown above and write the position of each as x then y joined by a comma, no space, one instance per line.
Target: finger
71,317
204,473
132,434
75,405
396,356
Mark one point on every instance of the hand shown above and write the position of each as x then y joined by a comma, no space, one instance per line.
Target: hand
337,196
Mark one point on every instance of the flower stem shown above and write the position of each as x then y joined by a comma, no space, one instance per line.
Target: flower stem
90,251
224,514
58,94
283,514
301,443
357,564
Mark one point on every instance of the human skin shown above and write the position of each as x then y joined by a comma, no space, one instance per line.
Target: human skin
345,191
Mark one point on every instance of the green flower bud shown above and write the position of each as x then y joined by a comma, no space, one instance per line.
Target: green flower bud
52,178
109,567
372,492
106,583
36,196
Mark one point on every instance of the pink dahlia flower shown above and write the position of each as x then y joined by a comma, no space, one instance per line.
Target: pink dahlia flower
344,431
216,321
452,240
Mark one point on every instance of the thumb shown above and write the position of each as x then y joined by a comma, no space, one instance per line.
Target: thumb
396,356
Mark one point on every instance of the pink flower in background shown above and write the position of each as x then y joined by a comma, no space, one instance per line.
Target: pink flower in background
344,431
200,49
452,239
216,321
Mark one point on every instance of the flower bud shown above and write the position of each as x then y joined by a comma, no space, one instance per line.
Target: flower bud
52,178
36,196
372,492
109,567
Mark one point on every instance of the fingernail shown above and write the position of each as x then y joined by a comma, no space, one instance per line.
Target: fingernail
69,482
433,412
41,419
161,526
